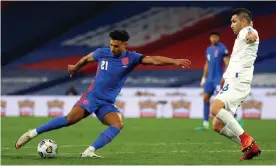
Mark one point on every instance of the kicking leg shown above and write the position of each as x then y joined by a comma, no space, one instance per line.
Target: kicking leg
76,114
220,128
115,123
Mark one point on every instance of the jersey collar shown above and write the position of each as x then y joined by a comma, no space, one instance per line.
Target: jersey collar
122,55
215,45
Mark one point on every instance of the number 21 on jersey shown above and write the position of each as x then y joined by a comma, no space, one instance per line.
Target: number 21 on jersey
104,65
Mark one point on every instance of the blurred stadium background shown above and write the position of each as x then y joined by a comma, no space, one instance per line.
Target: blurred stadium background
39,40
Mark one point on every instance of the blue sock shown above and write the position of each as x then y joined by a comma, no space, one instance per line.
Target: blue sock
206,108
52,124
106,136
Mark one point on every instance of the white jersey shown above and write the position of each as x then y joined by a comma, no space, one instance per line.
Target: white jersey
243,56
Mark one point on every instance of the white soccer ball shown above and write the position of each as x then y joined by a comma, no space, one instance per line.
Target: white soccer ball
47,148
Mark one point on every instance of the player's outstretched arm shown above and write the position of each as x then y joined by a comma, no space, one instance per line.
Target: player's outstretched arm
163,61
72,69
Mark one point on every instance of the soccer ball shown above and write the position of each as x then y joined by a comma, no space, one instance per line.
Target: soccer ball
47,148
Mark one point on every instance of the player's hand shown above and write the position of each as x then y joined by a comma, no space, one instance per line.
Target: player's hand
251,37
72,70
183,63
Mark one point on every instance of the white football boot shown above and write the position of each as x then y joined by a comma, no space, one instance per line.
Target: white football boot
26,137
90,153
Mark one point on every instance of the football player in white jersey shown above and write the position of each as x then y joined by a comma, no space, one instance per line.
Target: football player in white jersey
238,77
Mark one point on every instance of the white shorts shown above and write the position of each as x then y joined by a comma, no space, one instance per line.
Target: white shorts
233,94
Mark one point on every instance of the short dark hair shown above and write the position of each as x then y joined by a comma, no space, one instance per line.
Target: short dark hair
243,13
214,33
121,35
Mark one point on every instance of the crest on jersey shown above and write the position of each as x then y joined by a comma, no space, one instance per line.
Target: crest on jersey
125,61
216,53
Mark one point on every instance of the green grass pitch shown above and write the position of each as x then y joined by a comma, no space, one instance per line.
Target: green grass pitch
142,141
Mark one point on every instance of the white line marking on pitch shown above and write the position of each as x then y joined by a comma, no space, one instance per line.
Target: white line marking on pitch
181,151
128,152
151,144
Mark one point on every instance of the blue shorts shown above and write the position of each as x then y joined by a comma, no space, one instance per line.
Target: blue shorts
97,106
212,86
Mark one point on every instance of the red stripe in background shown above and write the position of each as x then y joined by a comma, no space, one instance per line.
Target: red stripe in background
187,32
61,63
58,64
193,49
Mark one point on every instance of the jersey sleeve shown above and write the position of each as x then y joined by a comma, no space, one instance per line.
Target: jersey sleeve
243,33
207,55
97,54
137,58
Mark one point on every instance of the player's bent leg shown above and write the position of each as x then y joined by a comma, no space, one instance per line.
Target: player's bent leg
220,128
218,125
217,109
206,112
77,113
115,123
114,119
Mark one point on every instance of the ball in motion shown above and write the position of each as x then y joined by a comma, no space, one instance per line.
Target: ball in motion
47,148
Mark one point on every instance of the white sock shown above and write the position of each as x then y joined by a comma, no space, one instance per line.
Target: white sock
33,133
230,122
206,123
89,149
230,134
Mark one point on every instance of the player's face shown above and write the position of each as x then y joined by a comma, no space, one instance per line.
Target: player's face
117,47
235,24
214,39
